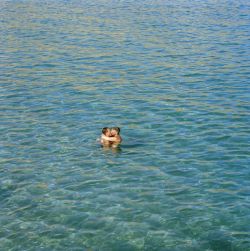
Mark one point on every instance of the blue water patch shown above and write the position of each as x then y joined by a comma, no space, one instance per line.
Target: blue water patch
174,76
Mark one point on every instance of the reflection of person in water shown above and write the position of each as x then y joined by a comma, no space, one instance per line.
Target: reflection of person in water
111,137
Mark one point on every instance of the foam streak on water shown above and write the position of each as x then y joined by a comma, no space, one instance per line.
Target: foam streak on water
174,75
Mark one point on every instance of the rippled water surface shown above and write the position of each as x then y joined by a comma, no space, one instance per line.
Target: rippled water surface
174,75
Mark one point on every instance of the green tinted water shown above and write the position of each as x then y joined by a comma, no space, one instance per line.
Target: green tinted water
174,75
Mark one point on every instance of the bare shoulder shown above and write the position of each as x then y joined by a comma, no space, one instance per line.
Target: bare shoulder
119,138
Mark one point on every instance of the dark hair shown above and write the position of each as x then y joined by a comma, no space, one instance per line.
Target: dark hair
104,130
117,129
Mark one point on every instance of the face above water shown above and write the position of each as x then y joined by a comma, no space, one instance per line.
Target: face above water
113,132
108,133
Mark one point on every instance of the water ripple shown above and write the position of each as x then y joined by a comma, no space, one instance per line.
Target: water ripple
174,76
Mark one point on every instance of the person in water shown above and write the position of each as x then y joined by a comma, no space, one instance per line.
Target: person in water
106,133
111,137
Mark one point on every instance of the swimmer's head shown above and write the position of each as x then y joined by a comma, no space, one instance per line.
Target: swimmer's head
106,131
115,130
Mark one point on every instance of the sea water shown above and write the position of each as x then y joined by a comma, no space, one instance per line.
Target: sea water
174,76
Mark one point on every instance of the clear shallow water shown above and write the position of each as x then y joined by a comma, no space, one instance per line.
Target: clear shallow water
174,75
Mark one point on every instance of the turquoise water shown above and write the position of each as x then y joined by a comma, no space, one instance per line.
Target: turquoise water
174,75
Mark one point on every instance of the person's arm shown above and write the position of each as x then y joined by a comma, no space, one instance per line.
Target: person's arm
109,138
